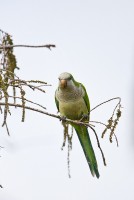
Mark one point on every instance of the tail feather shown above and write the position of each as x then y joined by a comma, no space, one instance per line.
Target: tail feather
85,141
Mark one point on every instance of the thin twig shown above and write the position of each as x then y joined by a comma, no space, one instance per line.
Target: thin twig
49,46
6,70
116,140
103,157
3,32
46,113
106,102
97,122
28,101
43,85
59,117
7,129
24,83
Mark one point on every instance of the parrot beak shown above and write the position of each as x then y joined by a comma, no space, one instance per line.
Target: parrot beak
63,83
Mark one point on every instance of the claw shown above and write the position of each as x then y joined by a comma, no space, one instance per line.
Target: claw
63,118
84,117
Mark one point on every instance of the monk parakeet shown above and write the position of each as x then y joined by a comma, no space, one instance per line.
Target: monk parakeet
73,103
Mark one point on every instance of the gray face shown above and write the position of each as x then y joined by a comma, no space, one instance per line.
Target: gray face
65,80
65,76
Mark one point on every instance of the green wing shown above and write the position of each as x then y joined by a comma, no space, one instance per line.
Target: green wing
86,99
57,102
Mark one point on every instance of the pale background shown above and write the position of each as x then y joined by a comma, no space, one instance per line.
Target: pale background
95,42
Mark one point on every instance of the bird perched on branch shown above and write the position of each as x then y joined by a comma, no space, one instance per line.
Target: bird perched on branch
73,103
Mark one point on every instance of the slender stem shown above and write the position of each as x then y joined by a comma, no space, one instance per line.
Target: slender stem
103,157
106,102
43,112
49,46
27,101
97,122
59,117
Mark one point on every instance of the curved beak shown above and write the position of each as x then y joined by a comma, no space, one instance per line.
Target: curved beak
63,83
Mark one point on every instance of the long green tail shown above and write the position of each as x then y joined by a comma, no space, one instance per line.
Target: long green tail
85,141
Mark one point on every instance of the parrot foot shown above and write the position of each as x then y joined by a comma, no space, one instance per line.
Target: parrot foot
63,118
84,117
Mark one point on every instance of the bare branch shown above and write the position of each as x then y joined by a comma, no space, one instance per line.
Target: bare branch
27,101
59,117
7,130
46,113
97,122
103,157
49,46
43,112
106,102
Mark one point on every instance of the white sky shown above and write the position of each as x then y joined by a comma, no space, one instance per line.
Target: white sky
95,42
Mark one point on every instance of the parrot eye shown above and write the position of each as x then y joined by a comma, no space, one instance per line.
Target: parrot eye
69,78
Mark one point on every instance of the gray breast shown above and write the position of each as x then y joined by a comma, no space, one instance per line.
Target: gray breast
69,95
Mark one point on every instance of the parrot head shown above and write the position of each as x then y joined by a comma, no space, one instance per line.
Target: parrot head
66,81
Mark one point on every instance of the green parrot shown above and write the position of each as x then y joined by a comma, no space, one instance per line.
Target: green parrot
73,103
